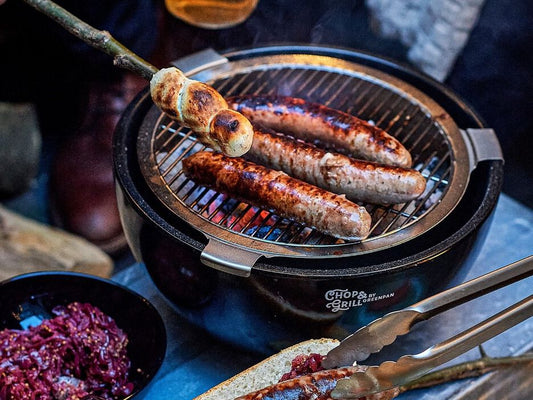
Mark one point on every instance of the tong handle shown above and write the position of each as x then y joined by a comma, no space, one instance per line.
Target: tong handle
383,331
474,336
408,368
474,288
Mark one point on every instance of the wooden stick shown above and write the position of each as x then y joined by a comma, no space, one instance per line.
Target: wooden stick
469,369
101,40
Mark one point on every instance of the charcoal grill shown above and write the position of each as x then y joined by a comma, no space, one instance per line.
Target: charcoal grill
238,233
262,282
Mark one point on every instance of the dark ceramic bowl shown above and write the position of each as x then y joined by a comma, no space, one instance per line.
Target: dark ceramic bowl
34,295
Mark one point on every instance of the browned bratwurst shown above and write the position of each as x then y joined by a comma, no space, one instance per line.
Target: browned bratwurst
315,207
358,180
317,123
315,386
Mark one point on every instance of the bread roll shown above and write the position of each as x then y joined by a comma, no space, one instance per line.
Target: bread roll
201,108
267,372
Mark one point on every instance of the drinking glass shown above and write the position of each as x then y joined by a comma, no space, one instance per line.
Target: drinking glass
211,14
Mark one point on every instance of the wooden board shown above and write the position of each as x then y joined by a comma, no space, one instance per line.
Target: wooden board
29,246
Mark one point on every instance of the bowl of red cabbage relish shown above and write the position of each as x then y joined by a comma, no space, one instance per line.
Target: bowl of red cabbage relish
67,335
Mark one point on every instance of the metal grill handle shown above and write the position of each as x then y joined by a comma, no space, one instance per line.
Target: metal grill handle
228,258
482,145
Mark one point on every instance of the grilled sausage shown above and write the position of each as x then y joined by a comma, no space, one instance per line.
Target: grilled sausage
315,386
201,108
317,123
327,212
358,180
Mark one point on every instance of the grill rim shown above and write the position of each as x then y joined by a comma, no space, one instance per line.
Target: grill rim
270,248
137,201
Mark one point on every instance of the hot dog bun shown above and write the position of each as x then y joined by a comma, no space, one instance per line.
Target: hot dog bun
267,372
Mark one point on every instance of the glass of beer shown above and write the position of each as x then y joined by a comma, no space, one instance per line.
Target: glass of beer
211,14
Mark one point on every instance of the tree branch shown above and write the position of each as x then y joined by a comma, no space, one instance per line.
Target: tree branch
101,40
469,369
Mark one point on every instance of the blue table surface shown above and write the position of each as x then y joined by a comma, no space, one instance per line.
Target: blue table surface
195,361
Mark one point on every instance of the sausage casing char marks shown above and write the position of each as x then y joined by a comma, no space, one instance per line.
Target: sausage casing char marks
315,207
359,180
317,123
315,386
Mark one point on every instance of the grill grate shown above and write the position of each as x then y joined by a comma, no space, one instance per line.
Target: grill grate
366,99
389,107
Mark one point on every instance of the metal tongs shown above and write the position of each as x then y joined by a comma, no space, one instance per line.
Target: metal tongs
384,331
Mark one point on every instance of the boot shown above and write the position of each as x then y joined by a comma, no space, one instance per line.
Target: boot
81,187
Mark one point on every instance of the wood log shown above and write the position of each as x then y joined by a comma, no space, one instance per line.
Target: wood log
28,246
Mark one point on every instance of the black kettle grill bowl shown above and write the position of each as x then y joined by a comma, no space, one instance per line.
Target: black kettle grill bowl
287,299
